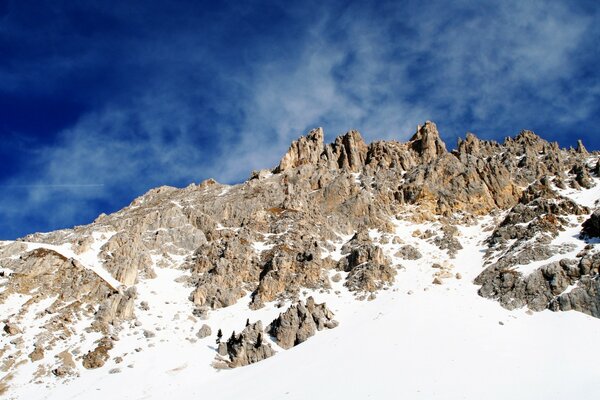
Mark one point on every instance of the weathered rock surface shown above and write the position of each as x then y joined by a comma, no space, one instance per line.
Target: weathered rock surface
282,231
97,358
11,329
525,236
300,322
204,331
247,347
408,252
368,268
591,227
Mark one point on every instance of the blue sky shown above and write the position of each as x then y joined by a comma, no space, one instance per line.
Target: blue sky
101,101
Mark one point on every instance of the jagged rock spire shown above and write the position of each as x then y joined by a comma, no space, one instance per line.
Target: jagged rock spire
581,148
305,150
427,142
349,151
527,137
346,152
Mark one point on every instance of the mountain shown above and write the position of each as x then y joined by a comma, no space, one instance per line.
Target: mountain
350,270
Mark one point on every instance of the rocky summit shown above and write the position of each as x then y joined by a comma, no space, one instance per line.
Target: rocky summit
382,231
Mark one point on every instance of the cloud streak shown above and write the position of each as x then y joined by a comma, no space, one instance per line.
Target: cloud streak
178,95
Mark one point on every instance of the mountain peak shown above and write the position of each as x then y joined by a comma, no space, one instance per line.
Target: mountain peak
427,142
581,148
340,221
306,150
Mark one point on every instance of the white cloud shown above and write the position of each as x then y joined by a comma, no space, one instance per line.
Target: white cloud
351,69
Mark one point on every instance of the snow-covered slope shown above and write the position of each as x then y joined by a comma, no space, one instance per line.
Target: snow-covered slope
431,262
417,340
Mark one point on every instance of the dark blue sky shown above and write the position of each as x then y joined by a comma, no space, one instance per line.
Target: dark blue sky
101,101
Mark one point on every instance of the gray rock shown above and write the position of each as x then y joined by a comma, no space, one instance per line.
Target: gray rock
248,347
591,227
204,331
299,322
149,334
408,252
222,349
368,268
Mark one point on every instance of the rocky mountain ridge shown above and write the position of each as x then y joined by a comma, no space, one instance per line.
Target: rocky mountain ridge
327,214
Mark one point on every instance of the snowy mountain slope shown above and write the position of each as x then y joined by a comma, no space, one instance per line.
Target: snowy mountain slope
408,245
416,339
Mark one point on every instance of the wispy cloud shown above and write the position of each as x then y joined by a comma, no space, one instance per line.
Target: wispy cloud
185,100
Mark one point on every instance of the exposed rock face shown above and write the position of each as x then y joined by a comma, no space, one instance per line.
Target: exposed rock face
525,236
369,269
591,227
37,354
581,148
97,358
117,306
348,152
448,240
286,229
246,347
300,322
545,287
51,273
427,143
306,150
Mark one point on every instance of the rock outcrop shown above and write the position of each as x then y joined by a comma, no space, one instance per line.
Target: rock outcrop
591,227
368,268
525,236
408,252
204,331
245,348
300,322
286,230
97,357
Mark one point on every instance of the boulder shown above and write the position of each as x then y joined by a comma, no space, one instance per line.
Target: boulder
97,358
299,322
12,329
408,252
204,331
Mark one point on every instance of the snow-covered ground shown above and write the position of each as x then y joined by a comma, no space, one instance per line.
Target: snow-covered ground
89,258
416,340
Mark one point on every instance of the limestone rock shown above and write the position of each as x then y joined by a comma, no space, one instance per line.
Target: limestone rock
11,329
247,347
581,148
426,142
37,354
204,331
299,322
368,268
408,252
306,150
591,227
97,357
